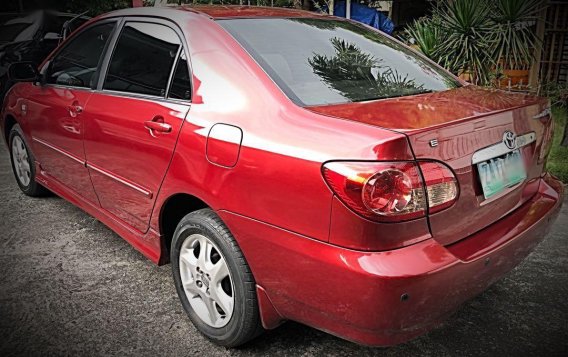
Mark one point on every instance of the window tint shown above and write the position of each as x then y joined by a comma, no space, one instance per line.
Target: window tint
181,84
75,24
77,63
324,61
143,59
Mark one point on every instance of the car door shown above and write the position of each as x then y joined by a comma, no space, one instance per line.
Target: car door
133,120
55,109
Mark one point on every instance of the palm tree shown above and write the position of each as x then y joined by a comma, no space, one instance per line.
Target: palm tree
358,75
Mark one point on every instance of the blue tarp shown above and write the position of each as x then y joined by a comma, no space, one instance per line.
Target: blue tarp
366,15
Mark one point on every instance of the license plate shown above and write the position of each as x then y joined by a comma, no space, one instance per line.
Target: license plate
501,172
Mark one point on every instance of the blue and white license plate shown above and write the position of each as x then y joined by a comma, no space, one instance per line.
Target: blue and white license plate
501,172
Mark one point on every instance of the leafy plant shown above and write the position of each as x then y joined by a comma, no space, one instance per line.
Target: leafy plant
513,34
479,38
357,74
558,158
427,35
557,92
467,47
558,95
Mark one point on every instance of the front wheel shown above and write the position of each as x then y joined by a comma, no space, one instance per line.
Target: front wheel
213,280
23,164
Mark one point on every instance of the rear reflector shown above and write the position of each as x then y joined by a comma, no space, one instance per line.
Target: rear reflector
441,185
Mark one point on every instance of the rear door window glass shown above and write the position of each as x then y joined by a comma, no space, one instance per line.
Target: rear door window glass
143,59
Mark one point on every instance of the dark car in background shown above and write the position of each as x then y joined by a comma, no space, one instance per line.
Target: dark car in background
5,16
30,37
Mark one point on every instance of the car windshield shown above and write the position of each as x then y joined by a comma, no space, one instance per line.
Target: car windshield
325,61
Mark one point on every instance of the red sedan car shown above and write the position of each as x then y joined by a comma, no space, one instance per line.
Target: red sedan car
289,165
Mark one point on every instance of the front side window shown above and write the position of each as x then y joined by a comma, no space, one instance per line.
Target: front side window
324,61
77,63
143,59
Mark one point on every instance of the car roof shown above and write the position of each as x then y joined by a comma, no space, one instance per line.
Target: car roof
217,12
237,11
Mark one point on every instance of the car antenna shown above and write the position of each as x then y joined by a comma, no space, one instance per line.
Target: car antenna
68,23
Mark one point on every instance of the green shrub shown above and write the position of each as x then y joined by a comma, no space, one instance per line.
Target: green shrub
558,157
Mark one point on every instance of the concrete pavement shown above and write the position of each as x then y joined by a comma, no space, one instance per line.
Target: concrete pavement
68,285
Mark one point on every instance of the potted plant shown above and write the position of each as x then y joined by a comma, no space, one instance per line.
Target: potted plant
457,36
482,41
514,38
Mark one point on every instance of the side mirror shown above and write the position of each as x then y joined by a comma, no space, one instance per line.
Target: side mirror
52,36
23,72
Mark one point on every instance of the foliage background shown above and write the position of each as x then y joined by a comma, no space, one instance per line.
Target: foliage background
558,160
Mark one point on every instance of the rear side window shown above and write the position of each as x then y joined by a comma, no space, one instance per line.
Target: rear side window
181,84
77,63
143,59
326,61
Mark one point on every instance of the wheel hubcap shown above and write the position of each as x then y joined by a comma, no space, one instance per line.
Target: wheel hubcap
21,161
206,280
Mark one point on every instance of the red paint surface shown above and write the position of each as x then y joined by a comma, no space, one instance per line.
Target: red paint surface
314,260
224,145
118,142
463,121
228,11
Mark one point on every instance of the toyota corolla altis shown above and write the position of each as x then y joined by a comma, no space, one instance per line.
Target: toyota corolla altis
289,165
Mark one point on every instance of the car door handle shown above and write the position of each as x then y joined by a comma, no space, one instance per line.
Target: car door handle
157,125
75,109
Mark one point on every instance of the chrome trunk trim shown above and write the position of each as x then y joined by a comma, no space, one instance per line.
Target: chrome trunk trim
501,148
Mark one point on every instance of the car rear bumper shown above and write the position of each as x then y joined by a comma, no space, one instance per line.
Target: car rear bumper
386,298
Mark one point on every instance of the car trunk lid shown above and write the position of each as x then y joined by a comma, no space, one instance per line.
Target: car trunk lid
451,127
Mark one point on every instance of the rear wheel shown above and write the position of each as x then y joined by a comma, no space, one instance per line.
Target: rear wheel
23,164
213,280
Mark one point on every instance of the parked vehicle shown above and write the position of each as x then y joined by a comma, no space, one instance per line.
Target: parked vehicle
5,16
31,37
338,178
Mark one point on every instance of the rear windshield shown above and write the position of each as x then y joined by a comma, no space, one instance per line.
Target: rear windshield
324,61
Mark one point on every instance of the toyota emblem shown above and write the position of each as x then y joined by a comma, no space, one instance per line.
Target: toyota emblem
510,140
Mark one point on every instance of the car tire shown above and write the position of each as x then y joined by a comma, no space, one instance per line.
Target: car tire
23,164
202,285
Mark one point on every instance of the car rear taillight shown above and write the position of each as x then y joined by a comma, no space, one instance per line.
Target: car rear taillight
392,191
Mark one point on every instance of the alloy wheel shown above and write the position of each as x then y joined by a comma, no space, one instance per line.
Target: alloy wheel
21,161
206,280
